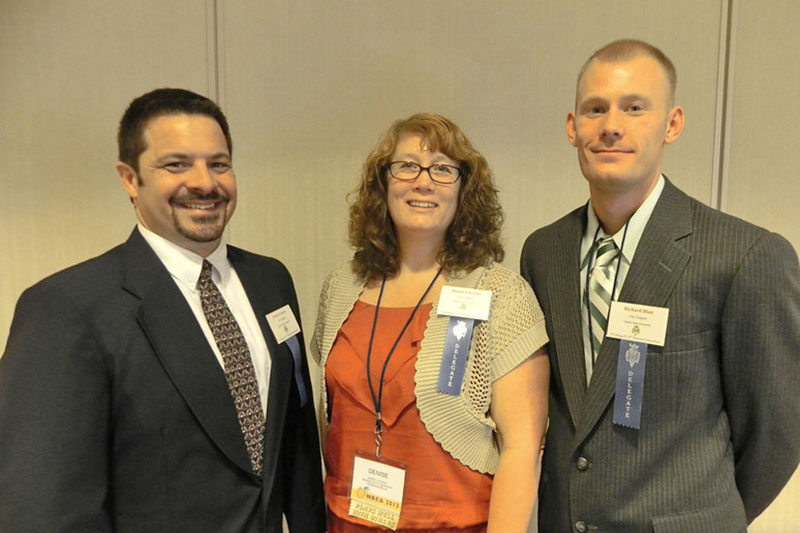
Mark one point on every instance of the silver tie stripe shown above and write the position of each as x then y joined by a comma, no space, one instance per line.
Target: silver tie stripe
600,288
239,371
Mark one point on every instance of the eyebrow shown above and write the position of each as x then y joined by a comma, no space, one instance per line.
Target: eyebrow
184,155
438,158
595,98
636,96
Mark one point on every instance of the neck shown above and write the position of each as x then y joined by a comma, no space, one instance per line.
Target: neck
417,269
418,256
613,209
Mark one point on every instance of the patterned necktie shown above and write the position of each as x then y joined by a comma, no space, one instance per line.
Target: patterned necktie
600,288
239,370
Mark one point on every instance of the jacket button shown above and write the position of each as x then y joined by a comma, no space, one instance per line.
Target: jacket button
580,526
582,464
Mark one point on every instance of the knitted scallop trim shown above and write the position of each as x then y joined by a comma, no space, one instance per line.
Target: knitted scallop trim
456,423
470,439
337,303
471,443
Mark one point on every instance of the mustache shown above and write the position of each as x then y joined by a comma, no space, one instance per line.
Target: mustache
213,196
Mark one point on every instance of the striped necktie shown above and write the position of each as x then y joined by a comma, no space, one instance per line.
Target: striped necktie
601,285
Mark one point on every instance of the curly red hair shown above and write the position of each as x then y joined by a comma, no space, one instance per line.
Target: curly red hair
473,238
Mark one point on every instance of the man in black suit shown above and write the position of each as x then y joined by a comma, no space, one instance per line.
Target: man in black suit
136,396
696,427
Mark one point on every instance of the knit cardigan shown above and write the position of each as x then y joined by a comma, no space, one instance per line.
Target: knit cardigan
515,330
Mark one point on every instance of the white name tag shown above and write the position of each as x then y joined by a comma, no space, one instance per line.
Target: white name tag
636,322
283,323
376,491
465,303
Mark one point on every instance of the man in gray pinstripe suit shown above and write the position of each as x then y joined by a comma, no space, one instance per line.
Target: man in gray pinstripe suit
719,428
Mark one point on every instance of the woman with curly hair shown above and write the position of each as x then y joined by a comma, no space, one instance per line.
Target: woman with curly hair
435,375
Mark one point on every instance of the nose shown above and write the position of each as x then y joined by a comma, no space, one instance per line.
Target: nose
424,180
199,178
613,129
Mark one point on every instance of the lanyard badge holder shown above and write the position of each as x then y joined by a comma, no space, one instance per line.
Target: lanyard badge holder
377,483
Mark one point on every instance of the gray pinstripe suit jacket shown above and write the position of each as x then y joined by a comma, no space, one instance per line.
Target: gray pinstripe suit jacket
720,428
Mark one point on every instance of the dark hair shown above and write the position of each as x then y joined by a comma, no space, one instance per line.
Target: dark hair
626,49
154,104
473,238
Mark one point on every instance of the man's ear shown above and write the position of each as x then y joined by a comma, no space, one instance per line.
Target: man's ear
570,125
675,121
129,179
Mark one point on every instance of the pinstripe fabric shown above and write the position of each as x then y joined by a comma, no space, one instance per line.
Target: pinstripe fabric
720,428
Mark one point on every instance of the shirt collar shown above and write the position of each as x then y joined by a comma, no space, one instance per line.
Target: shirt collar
636,225
185,265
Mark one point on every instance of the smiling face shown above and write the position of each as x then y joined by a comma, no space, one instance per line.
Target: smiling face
421,208
621,124
185,189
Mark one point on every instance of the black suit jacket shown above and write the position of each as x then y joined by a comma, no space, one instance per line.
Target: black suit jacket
116,416
720,427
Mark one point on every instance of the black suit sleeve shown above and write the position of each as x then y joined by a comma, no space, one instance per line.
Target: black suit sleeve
761,370
54,419
301,470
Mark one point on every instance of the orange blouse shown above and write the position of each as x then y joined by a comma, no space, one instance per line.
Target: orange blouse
441,494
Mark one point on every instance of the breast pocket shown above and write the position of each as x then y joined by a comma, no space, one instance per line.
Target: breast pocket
683,377
687,342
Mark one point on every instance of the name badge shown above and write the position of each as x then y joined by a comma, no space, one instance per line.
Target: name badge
283,323
285,328
376,491
637,326
638,323
464,303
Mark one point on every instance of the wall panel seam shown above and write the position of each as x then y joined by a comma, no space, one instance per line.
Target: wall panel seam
724,112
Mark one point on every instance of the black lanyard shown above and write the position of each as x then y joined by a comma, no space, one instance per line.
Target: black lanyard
377,400
592,251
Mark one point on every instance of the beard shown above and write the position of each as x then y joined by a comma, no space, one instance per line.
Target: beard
202,227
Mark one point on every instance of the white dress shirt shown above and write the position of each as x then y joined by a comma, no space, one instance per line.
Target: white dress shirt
184,266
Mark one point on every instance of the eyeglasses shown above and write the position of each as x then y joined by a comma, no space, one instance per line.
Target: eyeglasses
409,171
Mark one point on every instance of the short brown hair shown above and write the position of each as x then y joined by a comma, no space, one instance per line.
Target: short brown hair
626,49
473,238
158,103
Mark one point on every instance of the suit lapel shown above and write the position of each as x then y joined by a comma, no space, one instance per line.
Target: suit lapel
564,296
657,266
266,296
179,343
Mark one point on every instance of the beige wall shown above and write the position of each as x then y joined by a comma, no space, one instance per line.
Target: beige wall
309,85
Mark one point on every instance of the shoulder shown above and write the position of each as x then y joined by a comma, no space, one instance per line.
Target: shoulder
707,223
260,273
732,236
240,256
503,280
342,278
510,292
552,232
712,221
71,307
339,290
82,282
